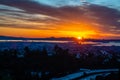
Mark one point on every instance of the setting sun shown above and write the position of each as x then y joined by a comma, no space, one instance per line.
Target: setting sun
79,38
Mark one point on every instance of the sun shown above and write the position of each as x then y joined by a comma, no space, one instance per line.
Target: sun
79,38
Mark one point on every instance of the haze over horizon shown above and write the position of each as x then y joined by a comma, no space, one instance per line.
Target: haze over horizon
60,18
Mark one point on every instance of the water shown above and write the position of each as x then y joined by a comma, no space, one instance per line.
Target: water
113,43
44,41
109,44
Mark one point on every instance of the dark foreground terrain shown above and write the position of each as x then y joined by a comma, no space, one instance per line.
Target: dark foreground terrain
61,61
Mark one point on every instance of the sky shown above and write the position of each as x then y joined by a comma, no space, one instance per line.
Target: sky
60,18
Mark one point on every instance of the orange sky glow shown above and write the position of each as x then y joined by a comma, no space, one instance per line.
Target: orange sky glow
69,31
37,20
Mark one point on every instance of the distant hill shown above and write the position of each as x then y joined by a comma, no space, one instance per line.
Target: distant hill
22,38
10,38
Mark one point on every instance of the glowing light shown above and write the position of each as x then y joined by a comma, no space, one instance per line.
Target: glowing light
79,38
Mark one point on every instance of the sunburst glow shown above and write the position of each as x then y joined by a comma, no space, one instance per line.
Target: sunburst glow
79,38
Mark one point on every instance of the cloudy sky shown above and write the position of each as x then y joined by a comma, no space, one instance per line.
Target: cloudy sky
60,18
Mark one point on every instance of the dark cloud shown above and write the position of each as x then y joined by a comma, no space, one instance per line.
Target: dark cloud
30,6
106,15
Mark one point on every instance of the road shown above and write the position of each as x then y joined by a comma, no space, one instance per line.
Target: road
86,74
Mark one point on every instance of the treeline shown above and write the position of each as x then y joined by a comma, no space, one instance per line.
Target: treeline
38,65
